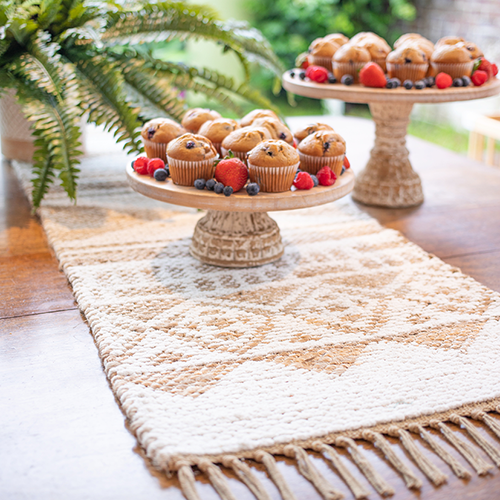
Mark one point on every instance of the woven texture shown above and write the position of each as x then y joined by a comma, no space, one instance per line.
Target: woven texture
353,327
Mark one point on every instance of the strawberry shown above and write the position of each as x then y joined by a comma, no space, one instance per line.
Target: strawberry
317,74
303,181
302,61
326,176
479,77
231,172
141,165
484,65
443,81
155,164
372,75
346,163
294,143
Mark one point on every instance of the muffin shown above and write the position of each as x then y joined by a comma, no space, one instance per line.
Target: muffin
474,50
301,134
403,39
377,47
277,129
241,141
407,63
218,130
157,133
449,40
321,52
247,120
364,34
455,60
272,165
194,118
191,157
323,148
348,60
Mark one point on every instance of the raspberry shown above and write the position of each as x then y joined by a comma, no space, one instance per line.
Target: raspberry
494,69
326,177
155,164
479,77
443,81
141,165
303,181
346,163
294,143
485,65
317,74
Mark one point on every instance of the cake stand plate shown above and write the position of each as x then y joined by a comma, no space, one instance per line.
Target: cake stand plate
236,231
388,179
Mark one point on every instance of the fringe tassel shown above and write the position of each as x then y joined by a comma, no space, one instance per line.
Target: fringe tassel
217,479
488,448
187,480
424,464
274,473
307,469
358,490
491,422
443,454
382,487
245,474
380,442
480,466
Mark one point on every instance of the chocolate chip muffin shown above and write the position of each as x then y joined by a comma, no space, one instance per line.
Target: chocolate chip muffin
194,118
321,52
241,141
407,63
218,130
276,128
247,120
191,157
348,60
272,164
157,133
322,148
301,134
455,60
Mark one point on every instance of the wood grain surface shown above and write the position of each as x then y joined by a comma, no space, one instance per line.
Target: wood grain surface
62,433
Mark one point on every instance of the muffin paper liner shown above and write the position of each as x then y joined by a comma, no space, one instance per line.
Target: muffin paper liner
217,146
325,62
413,72
313,164
455,70
273,179
242,155
345,68
184,173
155,149
381,62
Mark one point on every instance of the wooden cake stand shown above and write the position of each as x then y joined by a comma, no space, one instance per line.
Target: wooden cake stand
388,179
236,231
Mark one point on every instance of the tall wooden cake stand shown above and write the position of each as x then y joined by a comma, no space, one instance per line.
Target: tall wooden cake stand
388,179
236,231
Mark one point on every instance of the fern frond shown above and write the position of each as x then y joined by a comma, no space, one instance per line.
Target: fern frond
43,171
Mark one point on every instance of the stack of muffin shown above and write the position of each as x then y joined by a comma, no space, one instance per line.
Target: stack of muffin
261,140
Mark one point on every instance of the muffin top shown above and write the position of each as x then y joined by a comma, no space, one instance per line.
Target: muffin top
426,46
364,34
407,36
310,129
407,55
161,130
246,138
377,47
191,147
323,48
194,118
474,50
257,113
277,129
449,40
350,53
273,153
337,38
218,130
323,143
451,54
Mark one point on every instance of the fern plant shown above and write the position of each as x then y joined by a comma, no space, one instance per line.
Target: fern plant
67,58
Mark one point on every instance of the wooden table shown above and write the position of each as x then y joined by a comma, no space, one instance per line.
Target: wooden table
62,434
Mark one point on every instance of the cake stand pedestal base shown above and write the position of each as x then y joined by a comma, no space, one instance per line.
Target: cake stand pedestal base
236,239
388,179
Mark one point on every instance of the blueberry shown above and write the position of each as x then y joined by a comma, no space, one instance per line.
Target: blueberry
457,82
466,81
343,170
253,188
210,184
430,81
389,84
302,75
151,132
347,80
218,188
161,174
408,84
407,60
132,165
228,191
282,136
315,180
199,184
331,78
292,74
420,85
396,82
167,170
190,144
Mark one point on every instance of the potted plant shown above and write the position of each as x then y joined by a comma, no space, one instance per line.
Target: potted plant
67,58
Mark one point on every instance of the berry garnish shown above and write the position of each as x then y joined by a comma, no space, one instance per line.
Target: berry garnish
443,81
252,188
302,60
160,175
231,172
326,176
466,81
331,78
479,77
494,69
151,132
210,184
389,84
141,165
218,188
155,164
302,75
408,84
343,170
292,74
347,80
396,82
132,165
199,184
167,170
303,181
430,81
346,163
420,84
190,144
372,75
228,191
317,74
457,82
294,143
315,180
486,66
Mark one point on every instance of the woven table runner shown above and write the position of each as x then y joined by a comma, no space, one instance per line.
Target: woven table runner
356,333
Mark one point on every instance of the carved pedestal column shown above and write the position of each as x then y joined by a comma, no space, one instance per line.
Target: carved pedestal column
236,239
388,179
